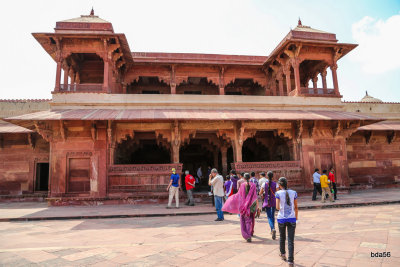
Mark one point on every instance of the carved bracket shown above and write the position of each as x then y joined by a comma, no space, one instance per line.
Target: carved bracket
31,140
299,130
367,136
391,137
336,130
93,131
45,130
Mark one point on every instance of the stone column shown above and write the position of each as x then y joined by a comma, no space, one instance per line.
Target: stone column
72,84
175,153
238,151
323,75
224,160
280,81
216,158
66,73
175,142
221,90
58,75
273,87
105,79
296,69
173,88
334,78
106,61
314,81
287,72
124,86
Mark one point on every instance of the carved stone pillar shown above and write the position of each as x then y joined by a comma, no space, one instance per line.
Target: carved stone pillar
224,160
175,142
287,72
314,81
238,151
280,82
215,156
323,75
66,72
273,87
72,84
106,68
124,86
334,78
105,79
221,81
172,82
173,88
296,68
58,75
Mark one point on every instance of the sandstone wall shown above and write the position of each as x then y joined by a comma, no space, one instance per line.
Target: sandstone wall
374,163
18,162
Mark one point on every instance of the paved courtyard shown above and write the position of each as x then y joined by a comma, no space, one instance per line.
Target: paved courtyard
329,237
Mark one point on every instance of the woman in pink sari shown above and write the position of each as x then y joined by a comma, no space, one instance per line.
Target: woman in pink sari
245,203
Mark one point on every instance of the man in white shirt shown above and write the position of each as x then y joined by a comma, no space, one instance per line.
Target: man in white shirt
262,180
317,184
217,182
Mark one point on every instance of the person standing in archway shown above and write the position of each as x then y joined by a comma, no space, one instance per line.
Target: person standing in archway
173,188
217,182
332,178
189,184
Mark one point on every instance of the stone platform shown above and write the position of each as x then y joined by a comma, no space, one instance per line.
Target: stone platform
32,211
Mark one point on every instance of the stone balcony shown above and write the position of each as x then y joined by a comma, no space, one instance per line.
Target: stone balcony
83,87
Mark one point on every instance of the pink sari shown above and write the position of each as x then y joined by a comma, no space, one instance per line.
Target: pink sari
240,202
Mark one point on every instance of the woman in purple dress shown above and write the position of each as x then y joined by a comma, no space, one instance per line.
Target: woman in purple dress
248,205
269,189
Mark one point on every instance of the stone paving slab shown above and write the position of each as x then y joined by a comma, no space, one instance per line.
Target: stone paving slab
29,211
324,237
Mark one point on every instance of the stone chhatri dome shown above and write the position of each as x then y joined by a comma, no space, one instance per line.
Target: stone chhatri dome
85,23
370,99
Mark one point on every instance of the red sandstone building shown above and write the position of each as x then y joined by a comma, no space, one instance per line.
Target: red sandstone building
119,121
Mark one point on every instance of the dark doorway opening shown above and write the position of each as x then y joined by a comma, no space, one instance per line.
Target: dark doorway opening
194,156
42,177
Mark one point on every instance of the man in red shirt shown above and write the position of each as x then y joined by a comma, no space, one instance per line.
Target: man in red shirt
331,177
189,182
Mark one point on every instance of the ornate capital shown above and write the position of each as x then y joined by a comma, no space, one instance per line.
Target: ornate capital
333,66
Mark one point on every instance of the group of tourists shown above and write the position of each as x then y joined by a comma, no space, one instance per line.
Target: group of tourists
325,185
246,196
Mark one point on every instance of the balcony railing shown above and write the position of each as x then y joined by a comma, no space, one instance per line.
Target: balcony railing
317,91
82,87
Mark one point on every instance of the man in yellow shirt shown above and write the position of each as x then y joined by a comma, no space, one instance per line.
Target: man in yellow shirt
325,186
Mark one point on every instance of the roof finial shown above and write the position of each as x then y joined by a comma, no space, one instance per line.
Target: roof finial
92,12
299,22
366,93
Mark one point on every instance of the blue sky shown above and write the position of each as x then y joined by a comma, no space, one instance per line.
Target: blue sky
226,27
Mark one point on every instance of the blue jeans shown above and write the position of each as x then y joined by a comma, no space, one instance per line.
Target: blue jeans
218,207
271,217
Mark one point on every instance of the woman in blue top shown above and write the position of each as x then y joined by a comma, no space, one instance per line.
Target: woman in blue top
286,204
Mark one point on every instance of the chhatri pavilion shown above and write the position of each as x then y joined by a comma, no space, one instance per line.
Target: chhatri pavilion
119,121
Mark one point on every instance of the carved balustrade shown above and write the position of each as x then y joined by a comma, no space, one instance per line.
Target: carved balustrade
141,177
289,169
82,87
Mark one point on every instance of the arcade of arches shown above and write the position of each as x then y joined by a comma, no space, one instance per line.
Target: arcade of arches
202,149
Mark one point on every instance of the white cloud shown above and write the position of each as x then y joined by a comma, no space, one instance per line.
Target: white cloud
378,44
